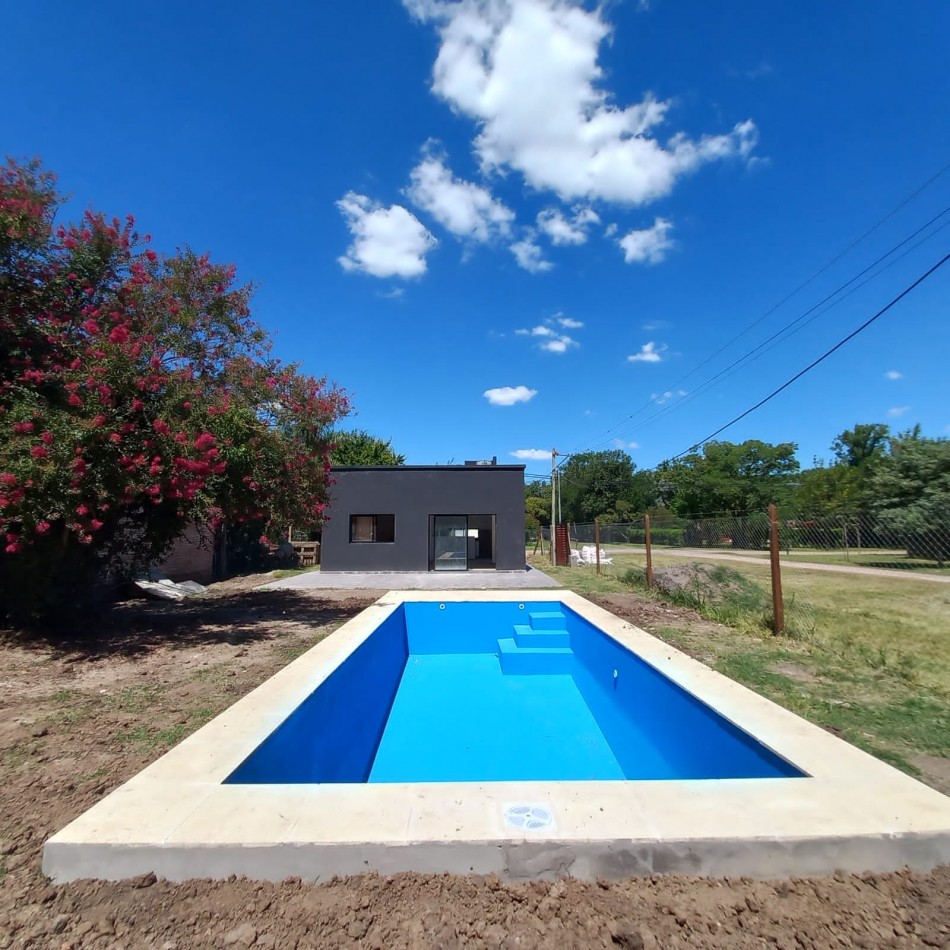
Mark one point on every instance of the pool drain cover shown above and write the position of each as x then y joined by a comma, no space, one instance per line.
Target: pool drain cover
528,817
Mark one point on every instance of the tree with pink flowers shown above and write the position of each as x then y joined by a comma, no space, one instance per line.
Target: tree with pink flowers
137,396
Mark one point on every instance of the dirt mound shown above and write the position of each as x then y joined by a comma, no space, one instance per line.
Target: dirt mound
709,581
80,719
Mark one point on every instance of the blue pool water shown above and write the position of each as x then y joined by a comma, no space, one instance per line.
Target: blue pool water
473,692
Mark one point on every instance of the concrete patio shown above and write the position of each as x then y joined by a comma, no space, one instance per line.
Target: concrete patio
528,579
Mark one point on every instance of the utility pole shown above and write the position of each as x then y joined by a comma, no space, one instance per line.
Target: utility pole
553,505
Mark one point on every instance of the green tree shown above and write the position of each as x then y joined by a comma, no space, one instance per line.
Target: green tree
845,487
137,396
863,445
911,494
358,447
828,490
537,512
594,483
729,477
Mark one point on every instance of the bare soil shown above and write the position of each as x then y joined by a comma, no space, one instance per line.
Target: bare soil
83,710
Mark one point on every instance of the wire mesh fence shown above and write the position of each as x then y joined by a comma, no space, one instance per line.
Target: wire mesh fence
861,539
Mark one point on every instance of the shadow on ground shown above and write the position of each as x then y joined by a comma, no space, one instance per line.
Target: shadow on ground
136,627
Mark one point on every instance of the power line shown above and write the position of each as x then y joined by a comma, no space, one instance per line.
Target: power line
794,326
820,359
788,296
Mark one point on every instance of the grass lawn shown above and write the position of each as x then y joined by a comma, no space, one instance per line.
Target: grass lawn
868,657
864,557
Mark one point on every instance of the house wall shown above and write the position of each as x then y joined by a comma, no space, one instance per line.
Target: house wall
191,559
412,494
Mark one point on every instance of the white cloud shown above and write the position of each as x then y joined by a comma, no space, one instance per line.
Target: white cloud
552,340
509,395
620,444
529,256
896,411
648,246
527,72
560,344
561,230
654,325
466,209
531,455
396,293
648,354
660,398
893,374
387,242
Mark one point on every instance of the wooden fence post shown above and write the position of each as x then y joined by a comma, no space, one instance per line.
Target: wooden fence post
646,537
597,543
778,604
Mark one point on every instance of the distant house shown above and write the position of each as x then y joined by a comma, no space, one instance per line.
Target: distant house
425,518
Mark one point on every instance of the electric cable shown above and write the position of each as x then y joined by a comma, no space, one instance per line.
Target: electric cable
793,327
791,294
820,359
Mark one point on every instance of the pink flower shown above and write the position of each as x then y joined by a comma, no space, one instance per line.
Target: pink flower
47,437
98,421
23,426
42,527
186,405
82,509
151,255
74,400
90,326
119,335
39,452
115,438
96,525
8,478
161,427
204,441
14,548
137,404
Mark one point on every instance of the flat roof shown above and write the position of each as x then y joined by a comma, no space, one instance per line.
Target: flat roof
427,468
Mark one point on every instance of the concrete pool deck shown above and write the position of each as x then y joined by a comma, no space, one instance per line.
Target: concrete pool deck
177,818
527,579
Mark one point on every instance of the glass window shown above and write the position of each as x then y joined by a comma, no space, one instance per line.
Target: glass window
373,528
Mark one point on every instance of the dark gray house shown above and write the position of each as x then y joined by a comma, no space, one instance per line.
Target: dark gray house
425,518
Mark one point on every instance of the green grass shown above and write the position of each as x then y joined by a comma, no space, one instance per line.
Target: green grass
869,658
855,557
293,571
149,740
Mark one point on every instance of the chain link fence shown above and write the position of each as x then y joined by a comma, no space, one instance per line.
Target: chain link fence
863,540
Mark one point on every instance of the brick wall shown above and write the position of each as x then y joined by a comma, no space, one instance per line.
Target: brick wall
192,558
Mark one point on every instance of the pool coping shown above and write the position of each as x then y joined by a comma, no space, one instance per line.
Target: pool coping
175,818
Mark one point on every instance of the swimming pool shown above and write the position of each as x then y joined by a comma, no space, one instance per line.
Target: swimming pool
503,691
190,814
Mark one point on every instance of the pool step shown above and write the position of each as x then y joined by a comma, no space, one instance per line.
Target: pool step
546,620
521,660
529,637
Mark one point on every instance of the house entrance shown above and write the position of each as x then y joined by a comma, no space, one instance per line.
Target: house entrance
462,542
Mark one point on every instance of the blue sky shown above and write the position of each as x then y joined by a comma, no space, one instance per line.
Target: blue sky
514,225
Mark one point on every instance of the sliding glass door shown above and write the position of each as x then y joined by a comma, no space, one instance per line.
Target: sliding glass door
450,542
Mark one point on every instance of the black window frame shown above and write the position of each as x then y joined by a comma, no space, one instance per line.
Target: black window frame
388,536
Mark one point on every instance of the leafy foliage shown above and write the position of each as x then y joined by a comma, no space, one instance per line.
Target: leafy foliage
137,396
727,477
603,485
358,447
911,492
